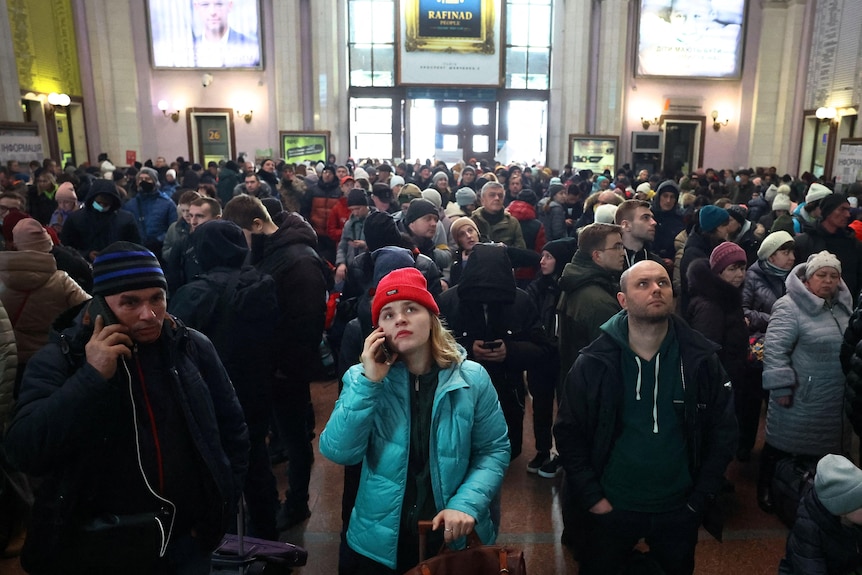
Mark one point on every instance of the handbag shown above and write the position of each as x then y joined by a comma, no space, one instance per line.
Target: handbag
793,477
476,559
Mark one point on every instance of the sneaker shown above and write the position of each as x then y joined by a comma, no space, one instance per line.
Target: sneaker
291,515
538,461
551,469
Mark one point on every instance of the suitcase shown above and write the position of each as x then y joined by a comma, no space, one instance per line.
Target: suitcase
250,555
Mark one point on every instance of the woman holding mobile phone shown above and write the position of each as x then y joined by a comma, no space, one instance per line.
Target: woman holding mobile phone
426,425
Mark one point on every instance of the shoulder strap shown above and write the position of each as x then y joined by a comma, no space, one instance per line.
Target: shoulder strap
221,332
18,313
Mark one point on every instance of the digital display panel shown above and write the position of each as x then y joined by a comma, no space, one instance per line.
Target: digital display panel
690,38
205,34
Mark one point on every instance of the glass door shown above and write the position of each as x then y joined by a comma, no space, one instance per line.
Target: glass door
466,130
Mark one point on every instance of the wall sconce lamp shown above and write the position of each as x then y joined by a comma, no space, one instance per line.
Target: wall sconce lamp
716,124
56,99
245,115
829,114
646,122
174,116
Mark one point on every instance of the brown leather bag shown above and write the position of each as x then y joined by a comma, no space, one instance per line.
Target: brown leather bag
476,559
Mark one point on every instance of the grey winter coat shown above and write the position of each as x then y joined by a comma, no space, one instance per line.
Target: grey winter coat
759,293
801,352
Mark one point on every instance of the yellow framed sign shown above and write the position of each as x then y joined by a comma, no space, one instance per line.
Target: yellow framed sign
449,42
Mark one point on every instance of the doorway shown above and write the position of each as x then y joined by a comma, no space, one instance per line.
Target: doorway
211,135
683,144
466,130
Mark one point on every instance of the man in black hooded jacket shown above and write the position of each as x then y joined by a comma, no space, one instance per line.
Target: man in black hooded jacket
236,307
101,222
302,278
499,326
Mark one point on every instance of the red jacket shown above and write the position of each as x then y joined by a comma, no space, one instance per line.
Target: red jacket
338,216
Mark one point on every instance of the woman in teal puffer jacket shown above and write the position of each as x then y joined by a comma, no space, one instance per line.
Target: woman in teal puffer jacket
427,426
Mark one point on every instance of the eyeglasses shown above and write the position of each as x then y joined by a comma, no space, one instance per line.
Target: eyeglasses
617,247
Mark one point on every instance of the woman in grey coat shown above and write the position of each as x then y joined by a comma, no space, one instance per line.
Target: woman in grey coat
802,371
764,284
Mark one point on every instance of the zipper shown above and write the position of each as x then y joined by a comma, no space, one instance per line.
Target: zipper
416,383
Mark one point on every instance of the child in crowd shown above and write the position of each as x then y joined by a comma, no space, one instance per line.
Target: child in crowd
827,537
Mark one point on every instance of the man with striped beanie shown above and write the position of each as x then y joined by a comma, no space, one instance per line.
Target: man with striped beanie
132,416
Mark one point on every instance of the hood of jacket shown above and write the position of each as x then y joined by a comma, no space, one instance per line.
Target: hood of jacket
219,243
703,282
617,328
522,211
27,270
294,229
116,201
582,271
488,276
807,301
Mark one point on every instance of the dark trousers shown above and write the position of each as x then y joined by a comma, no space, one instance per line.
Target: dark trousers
512,395
610,538
747,399
542,384
291,400
260,490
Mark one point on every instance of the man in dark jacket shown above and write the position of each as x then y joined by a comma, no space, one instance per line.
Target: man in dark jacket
101,222
287,253
236,307
133,423
645,430
638,226
498,325
668,218
589,286
832,234
228,179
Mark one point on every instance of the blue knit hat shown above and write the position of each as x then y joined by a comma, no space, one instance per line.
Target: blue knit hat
711,217
124,266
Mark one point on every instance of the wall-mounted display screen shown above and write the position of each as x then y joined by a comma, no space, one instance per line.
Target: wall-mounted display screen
690,38
206,34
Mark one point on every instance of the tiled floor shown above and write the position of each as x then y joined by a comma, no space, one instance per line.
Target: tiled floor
753,541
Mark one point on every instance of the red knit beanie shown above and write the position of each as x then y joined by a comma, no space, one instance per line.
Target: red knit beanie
725,254
402,284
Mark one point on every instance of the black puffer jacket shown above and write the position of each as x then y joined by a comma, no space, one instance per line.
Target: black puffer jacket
715,310
87,230
820,544
697,246
851,363
77,431
302,281
843,244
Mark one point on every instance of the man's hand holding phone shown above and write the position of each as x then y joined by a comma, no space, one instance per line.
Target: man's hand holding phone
493,351
376,356
106,345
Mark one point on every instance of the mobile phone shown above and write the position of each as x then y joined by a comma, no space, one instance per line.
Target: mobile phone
492,344
98,306
385,355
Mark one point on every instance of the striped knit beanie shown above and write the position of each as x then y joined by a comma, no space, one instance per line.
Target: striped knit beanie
124,266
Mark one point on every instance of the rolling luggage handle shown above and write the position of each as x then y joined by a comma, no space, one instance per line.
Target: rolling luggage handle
473,542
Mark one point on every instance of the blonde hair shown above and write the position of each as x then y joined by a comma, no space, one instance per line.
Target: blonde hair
444,348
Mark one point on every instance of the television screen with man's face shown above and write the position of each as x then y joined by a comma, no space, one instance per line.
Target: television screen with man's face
209,34
690,38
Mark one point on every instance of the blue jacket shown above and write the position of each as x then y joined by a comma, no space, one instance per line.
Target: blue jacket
469,451
154,214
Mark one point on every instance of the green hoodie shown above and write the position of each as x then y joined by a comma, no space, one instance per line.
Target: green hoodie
648,468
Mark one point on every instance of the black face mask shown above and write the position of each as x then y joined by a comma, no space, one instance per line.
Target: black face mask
146,187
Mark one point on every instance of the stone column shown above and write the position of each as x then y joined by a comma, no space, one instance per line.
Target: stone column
10,89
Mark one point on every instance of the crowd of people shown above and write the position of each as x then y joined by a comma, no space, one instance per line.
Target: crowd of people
647,316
